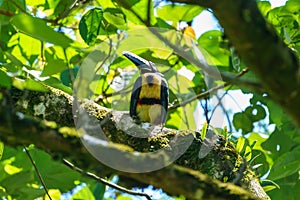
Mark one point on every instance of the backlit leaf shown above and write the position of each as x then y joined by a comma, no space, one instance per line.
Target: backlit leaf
176,13
84,193
240,144
90,25
38,29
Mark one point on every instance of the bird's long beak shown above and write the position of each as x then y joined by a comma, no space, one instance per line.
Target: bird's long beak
143,64
135,58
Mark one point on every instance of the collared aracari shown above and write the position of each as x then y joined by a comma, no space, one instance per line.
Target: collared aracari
150,93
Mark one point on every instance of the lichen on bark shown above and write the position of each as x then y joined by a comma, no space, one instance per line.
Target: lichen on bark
219,161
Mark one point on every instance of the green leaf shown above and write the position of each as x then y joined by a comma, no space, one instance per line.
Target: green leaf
93,23
248,154
34,85
35,2
20,181
259,160
16,181
278,143
7,31
5,80
1,149
264,7
115,16
29,192
29,84
293,5
204,131
163,24
21,49
54,65
108,4
67,74
90,25
181,197
274,16
31,50
276,114
54,82
51,7
179,87
128,4
19,5
10,169
84,193
18,64
59,9
137,7
240,144
257,139
286,165
256,112
288,190
176,13
269,188
54,194
215,54
37,28
243,122
99,191
55,175
124,198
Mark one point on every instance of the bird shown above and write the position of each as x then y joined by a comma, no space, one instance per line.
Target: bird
150,93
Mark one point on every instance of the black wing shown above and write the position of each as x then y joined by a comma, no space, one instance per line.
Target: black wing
135,97
164,94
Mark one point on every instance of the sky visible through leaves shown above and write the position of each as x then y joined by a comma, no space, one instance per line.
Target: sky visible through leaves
205,22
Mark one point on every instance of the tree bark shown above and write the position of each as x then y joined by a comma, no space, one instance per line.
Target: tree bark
190,175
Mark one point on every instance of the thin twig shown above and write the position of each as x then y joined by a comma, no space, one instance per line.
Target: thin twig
223,109
204,107
101,180
37,172
106,58
19,7
6,13
104,95
227,117
219,103
148,19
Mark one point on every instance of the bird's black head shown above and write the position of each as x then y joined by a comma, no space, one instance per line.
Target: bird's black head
144,65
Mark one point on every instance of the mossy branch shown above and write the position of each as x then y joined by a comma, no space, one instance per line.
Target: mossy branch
200,169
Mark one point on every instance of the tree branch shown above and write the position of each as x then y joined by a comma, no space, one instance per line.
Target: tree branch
6,13
221,162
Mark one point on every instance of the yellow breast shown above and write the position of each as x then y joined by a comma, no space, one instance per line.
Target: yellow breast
150,113
150,90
